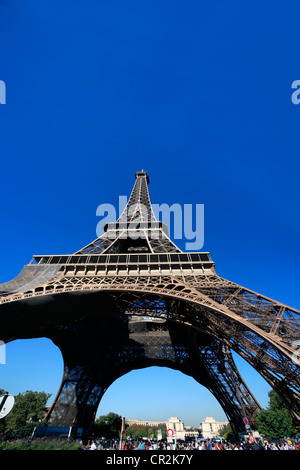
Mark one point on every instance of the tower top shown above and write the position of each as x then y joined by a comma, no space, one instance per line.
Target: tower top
142,173
136,229
139,206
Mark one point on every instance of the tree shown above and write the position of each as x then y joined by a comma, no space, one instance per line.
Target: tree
3,420
275,402
163,428
227,433
108,426
29,407
275,422
138,431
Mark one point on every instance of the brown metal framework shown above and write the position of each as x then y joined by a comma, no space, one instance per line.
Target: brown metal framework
132,299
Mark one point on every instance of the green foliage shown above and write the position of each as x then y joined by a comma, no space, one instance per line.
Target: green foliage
108,426
26,430
275,422
2,421
136,431
29,407
275,402
40,444
28,411
227,433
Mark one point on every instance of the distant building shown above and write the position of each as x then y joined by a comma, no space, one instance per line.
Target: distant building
147,422
180,432
177,426
210,427
174,423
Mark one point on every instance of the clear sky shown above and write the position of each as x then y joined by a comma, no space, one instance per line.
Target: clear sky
196,93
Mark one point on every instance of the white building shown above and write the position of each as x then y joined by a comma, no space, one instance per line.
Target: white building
177,427
147,422
174,423
210,427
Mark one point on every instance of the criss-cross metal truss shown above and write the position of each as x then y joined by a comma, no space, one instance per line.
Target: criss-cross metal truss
132,299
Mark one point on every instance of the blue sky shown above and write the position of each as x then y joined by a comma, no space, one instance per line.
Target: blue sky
196,93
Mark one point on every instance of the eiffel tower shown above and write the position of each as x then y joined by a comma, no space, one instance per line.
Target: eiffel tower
132,299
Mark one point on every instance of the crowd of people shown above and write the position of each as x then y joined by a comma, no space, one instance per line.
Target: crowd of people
192,446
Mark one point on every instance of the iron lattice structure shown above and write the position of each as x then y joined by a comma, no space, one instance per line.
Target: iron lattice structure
132,299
